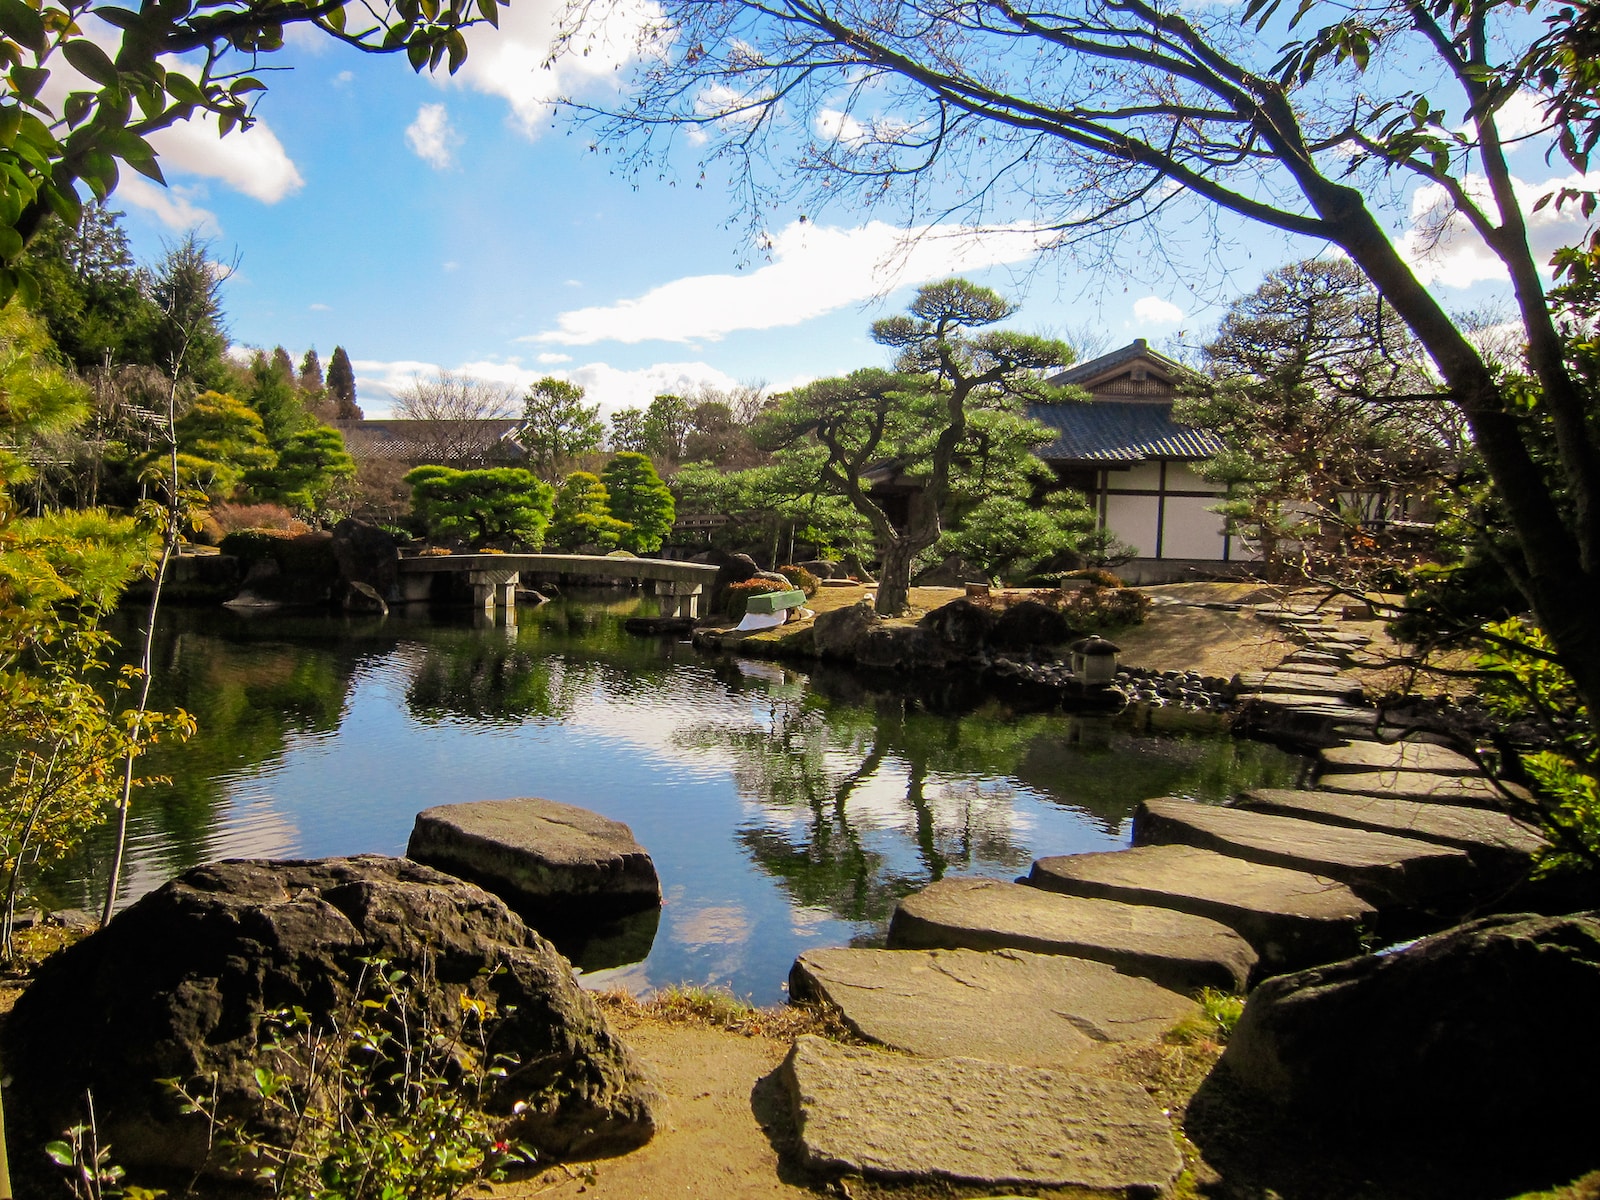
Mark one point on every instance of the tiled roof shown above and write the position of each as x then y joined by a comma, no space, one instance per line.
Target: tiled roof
1134,351
1118,431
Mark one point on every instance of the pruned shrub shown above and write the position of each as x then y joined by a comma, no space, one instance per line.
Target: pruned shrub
231,518
252,545
801,579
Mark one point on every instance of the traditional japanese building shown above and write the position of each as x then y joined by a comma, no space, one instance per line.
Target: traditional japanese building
1137,465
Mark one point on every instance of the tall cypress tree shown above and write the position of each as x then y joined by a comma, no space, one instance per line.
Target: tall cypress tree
311,372
342,385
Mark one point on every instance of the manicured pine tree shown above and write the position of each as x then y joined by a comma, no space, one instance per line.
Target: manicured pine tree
639,498
582,515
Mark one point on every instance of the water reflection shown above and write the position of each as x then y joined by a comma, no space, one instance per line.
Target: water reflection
783,809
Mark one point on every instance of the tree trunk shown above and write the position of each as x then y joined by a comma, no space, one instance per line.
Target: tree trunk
894,578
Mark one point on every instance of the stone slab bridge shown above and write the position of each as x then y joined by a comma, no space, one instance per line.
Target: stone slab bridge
494,577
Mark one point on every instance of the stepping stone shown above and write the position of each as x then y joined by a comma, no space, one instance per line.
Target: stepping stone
540,857
976,1123
1292,918
1381,868
1397,756
1296,684
1174,949
1004,1005
1305,657
1309,664
1299,700
1472,790
1493,839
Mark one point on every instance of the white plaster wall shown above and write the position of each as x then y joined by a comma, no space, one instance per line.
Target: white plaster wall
1133,519
1191,531
1140,475
1181,477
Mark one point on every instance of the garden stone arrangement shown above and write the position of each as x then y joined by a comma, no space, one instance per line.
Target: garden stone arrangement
1005,993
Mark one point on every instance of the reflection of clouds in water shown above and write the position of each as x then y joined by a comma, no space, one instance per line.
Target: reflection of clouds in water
710,926
633,979
806,921
250,826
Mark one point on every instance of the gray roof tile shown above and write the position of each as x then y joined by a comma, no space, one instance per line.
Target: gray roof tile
1118,431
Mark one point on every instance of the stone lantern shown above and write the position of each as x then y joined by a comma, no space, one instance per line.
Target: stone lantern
1094,660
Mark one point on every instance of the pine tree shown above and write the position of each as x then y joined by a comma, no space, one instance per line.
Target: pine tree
283,364
342,385
639,498
311,372
582,515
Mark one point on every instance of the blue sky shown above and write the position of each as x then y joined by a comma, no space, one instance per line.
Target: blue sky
428,223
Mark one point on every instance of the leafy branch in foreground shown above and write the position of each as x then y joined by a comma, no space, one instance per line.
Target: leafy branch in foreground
374,1103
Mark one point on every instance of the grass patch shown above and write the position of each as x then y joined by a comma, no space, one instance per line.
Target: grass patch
714,1008
1212,1023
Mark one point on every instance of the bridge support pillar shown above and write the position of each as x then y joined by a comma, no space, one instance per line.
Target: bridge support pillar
490,588
678,599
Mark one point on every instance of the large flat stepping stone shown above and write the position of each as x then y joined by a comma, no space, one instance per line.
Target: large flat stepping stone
1492,838
1293,918
1472,790
1381,868
539,856
982,1124
1310,701
1293,683
1368,757
1002,1005
1176,950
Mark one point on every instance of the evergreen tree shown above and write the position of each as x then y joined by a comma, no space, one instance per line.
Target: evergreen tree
272,394
189,340
582,515
219,440
492,504
640,500
311,372
342,386
309,466
283,365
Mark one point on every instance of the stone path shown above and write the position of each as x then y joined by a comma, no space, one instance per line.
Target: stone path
1003,997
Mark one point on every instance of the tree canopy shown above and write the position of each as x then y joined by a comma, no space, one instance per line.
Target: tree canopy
639,500
557,425
494,504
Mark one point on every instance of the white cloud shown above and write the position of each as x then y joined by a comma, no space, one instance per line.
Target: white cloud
842,127
172,206
511,61
451,265
1153,310
548,359
1442,247
1523,114
814,270
432,138
344,79
378,383
251,161
320,308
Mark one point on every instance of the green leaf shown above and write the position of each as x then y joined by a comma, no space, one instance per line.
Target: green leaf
122,18
417,54
60,1153
77,107
91,61
10,243
183,89
23,25
28,80
490,11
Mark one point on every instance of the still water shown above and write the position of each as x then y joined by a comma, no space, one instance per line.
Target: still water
784,809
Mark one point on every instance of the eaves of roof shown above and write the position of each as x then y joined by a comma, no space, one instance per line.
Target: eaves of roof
1108,431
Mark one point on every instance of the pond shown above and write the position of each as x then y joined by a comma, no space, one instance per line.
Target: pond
785,809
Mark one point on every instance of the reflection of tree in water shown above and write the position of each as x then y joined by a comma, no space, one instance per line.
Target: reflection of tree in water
838,784
839,773
249,691
485,680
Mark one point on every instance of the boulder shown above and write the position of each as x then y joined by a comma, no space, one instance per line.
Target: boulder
961,625
1477,1041
1029,624
542,858
176,986
822,568
367,555
975,1123
841,631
